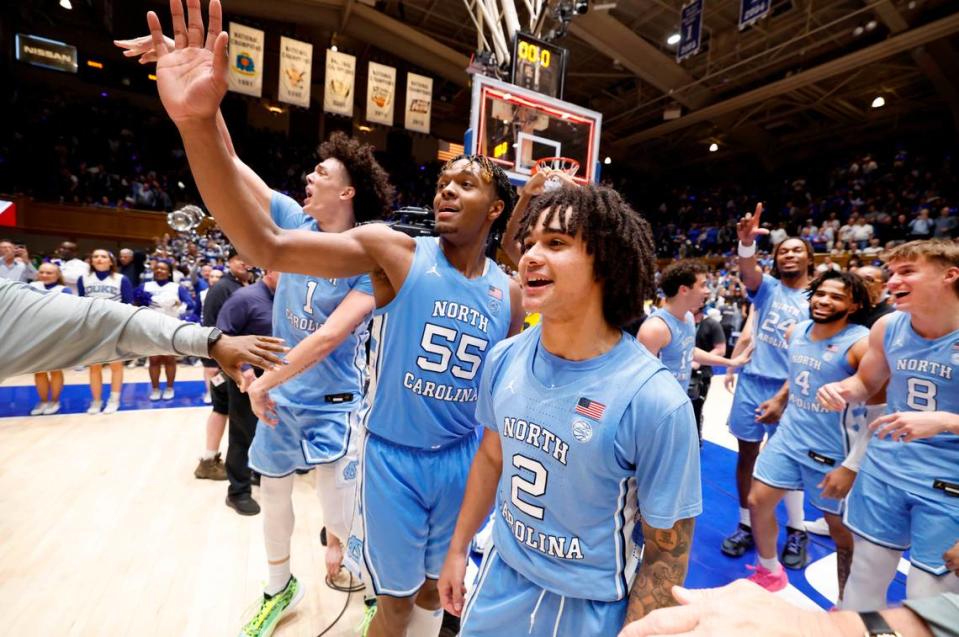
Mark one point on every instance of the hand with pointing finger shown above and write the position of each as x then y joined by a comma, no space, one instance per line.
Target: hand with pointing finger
748,227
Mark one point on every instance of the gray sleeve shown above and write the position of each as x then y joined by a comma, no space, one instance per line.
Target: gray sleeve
29,272
941,613
44,331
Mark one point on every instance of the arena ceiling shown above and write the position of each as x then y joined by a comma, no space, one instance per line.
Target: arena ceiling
800,79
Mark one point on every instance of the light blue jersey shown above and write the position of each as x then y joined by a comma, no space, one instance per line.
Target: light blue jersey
428,347
924,377
301,305
678,355
806,426
584,443
777,308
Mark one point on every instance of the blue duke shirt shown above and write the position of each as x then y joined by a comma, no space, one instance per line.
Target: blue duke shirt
778,307
584,443
806,424
302,304
427,350
924,377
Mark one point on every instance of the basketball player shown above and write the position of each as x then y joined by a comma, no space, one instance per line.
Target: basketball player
906,494
670,331
314,401
104,282
49,384
808,449
582,423
441,305
779,301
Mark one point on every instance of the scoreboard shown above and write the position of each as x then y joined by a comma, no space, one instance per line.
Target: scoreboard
538,65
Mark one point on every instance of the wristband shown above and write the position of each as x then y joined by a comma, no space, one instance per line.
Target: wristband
876,625
746,251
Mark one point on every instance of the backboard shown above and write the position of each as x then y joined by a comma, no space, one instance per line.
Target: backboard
514,127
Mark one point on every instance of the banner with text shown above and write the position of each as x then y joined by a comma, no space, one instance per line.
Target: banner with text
296,69
419,102
339,82
691,30
380,94
246,60
752,11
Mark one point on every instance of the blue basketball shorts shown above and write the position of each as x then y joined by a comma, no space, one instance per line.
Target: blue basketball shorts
782,468
303,439
926,524
750,392
506,604
410,499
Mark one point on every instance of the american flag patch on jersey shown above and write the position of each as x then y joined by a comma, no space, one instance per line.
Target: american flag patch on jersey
832,348
496,293
590,408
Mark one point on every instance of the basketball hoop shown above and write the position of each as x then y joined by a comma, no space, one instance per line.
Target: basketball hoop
559,164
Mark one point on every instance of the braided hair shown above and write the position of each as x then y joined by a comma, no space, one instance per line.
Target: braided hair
616,236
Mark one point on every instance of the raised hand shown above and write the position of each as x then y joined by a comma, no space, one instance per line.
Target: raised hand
748,227
142,47
192,76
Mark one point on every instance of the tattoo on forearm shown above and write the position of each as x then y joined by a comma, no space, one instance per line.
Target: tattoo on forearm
843,565
665,562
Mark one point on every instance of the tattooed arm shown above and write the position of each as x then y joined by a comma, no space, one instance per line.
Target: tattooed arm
665,562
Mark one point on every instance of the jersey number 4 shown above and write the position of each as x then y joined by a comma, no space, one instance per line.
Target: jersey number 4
441,343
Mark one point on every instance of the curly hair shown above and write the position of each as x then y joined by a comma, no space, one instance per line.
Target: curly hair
854,285
374,193
681,273
618,238
494,174
810,257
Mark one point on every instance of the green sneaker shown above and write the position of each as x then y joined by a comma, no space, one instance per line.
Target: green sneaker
368,614
272,609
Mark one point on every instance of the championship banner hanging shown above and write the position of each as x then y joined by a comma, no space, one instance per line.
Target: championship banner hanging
691,30
380,94
419,102
339,83
246,60
296,69
751,11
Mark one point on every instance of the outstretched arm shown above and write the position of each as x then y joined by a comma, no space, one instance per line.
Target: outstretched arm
191,79
873,372
352,310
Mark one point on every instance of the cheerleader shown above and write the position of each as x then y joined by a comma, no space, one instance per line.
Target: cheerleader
49,384
165,296
104,282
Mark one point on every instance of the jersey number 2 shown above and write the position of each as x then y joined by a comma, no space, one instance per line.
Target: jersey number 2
536,488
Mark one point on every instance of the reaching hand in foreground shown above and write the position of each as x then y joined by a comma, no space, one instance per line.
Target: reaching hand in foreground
232,352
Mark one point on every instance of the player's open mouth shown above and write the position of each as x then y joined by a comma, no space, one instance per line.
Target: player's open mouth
537,282
448,209
900,294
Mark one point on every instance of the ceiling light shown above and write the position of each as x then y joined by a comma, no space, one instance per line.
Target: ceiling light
673,39
333,48
365,129
872,24
66,5
879,102
713,147
608,160
857,31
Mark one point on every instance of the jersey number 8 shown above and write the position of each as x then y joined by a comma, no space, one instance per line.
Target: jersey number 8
922,394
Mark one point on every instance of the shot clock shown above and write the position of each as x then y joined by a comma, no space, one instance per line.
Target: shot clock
538,65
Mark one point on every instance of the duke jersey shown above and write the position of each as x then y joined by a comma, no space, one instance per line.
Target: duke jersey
109,287
924,376
56,287
427,350
301,304
166,298
806,425
678,355
582,442
777,308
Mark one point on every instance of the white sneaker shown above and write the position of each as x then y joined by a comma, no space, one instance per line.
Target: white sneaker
155,394
94,409
168,393
39,409
52,408
819,527
112,406
207,399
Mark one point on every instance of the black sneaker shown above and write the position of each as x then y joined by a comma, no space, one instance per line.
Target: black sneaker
794,552
739,542
243,504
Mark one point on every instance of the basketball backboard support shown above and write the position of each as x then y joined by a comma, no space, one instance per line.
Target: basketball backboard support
514,127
